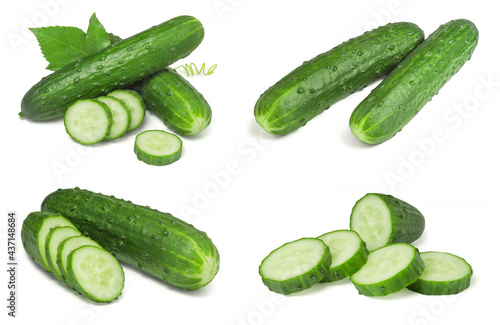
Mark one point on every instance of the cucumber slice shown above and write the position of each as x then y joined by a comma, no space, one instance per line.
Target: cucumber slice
389,269
120,116
66,247
88,121
157,147
444,274
382,219
134,103
296,265
54,238
95,273
349,254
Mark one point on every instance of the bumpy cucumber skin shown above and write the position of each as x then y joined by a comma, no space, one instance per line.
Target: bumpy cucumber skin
396,283
152,241
413,83
407,222
114,67
433,288
300,282
176,102
329,77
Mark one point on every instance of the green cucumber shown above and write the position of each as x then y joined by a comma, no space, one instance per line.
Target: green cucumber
296,266
134,103
95,273
66,247
413,83
114,67
444,274
152,241
329,77
349,254
157,147
176,102
382,219
389,269
120,116
55,236
88,121
34,232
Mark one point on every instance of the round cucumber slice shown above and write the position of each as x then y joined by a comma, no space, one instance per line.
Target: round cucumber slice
389,269
157,147
54,238
120,116
444,274
134,103
349,254
88,121
296,265
66,247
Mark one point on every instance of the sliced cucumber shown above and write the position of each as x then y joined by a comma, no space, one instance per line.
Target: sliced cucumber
134,103
120,116
296,265
444,274
95,273
349,254
389,269
54,238
88,121
382,219
66,247
157,147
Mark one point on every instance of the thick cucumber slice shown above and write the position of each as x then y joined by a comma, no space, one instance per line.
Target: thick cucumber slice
66,247
120,116
88,121
444,274
34,233
134,103
296,265
349,254
388,270
157,147
382,219
54,238
95,273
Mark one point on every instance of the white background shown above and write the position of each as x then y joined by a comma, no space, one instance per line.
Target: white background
279,188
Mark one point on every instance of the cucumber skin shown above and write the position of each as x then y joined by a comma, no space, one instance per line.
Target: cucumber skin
114,67
413,83
152,241
176,102
407,222
333,75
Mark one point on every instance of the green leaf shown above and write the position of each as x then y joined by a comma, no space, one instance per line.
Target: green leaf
63,45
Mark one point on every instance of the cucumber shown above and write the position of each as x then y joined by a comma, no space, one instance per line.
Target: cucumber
413,83
65,248
95,273
152,241
349,254
134,103
331,76
157,147
176,102
34,232
120,116
88,121
389,269
444,274
296,266
54,238
382,219
114,67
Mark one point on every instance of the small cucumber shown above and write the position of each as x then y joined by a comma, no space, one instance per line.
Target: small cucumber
88,121
413,83
54,238
157,147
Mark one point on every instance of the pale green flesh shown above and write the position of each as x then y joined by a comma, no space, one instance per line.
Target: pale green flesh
443,267
59,234
158,143
87,122
134,104
70,245
48,224
293,259
384,263
371,219
120,116
342,244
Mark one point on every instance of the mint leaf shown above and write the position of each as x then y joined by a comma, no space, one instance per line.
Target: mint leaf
63,45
